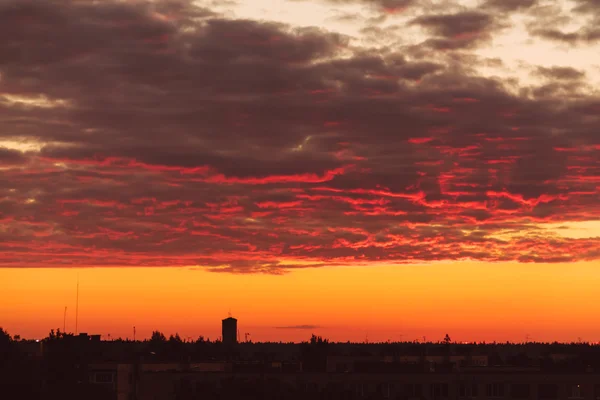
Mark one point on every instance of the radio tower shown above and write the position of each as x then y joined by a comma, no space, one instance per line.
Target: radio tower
77,307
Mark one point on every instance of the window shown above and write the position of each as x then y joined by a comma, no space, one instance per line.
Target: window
360,389
548,391
334,387
467,390
479,362
439,391
520,391
575,392
384,389
302,387
104,377
342,367
413,390
494,390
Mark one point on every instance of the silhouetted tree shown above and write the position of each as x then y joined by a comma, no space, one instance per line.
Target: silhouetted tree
5,338
314,354
57,335
5,347
158,337
175,345
158,344
18,374
447,339
318,340
175,339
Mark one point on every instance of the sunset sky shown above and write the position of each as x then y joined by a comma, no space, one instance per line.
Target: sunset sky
381,169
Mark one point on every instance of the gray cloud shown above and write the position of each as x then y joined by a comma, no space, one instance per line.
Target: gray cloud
10,157
584,36
587,6
561,73
458,30
389,6
509,5
548,22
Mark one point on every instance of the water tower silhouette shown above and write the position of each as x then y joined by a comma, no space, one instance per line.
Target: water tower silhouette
229,330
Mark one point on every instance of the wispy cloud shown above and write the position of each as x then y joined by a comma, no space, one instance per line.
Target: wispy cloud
299,327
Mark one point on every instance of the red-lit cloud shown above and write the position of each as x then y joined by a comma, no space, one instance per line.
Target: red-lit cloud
247,146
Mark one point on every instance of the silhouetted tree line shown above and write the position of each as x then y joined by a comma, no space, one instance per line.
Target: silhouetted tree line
314,354
18,373
55,367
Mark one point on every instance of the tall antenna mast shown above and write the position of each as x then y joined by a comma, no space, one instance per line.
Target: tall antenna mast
77,307
65,321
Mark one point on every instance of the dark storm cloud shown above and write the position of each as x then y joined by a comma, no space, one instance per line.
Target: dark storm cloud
174,136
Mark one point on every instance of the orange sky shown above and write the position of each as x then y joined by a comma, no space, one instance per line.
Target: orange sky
267,135
470,301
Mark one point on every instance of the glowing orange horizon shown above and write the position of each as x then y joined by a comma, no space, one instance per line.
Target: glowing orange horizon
469,301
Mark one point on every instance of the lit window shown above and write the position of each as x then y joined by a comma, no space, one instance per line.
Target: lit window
575,392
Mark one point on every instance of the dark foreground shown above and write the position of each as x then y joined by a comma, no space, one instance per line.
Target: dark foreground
82,367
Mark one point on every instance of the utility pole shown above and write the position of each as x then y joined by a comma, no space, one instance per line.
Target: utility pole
134,333
65,321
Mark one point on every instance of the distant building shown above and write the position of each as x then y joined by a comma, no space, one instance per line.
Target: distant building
229,330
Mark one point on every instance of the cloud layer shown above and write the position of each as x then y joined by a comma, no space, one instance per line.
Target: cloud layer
166,134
